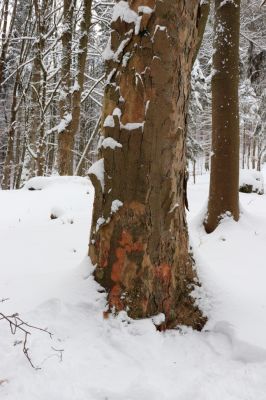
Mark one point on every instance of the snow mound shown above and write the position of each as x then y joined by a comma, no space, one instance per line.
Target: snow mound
46,274
251,181
40,182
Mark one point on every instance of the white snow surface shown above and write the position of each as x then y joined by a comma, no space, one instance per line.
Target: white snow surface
109,122
110,143
253,178
46,274
97,169
124,12
116,204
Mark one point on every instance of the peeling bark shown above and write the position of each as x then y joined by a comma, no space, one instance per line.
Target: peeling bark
139,238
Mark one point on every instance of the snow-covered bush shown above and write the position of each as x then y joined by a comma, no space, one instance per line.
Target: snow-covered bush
251,181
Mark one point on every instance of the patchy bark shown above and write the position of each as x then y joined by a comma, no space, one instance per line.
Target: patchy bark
139,238
224,184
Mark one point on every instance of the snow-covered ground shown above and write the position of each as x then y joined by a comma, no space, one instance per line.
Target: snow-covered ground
45,273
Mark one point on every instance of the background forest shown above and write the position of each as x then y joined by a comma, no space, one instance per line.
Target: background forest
52,79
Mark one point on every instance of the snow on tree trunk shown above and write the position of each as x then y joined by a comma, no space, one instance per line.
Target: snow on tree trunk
65,137
70,103
81,66
139,238
224,183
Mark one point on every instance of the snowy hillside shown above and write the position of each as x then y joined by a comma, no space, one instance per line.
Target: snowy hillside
46,275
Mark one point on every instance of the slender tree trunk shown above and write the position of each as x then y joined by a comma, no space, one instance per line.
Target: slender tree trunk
254,148
8,168
203,15
260,152
224,183
9,159
81,65
36,143
3,39
65,138
7,29
244,148
207,161
139,238
41,143
30,162
20,166
248,154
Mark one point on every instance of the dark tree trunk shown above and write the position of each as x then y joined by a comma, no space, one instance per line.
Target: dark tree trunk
139,238
244,148
71,104
254,148
224,184
203,15
249,150
65,137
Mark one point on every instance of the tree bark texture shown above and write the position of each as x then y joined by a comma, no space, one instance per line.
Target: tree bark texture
139,238
71,103
35,157
65,138
203,14
224,183
81,66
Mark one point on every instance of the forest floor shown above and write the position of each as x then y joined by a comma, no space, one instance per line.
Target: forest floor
46,275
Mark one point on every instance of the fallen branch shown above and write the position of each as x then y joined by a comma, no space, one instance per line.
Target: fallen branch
17,324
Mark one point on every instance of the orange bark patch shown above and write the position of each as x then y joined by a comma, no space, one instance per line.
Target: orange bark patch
106,314
163,272
114,298
167,307
127,247
127,242
118,265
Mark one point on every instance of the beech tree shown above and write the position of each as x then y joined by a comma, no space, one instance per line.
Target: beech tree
139,238
224,181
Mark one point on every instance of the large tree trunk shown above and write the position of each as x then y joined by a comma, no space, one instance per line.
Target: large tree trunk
224,184
139,238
